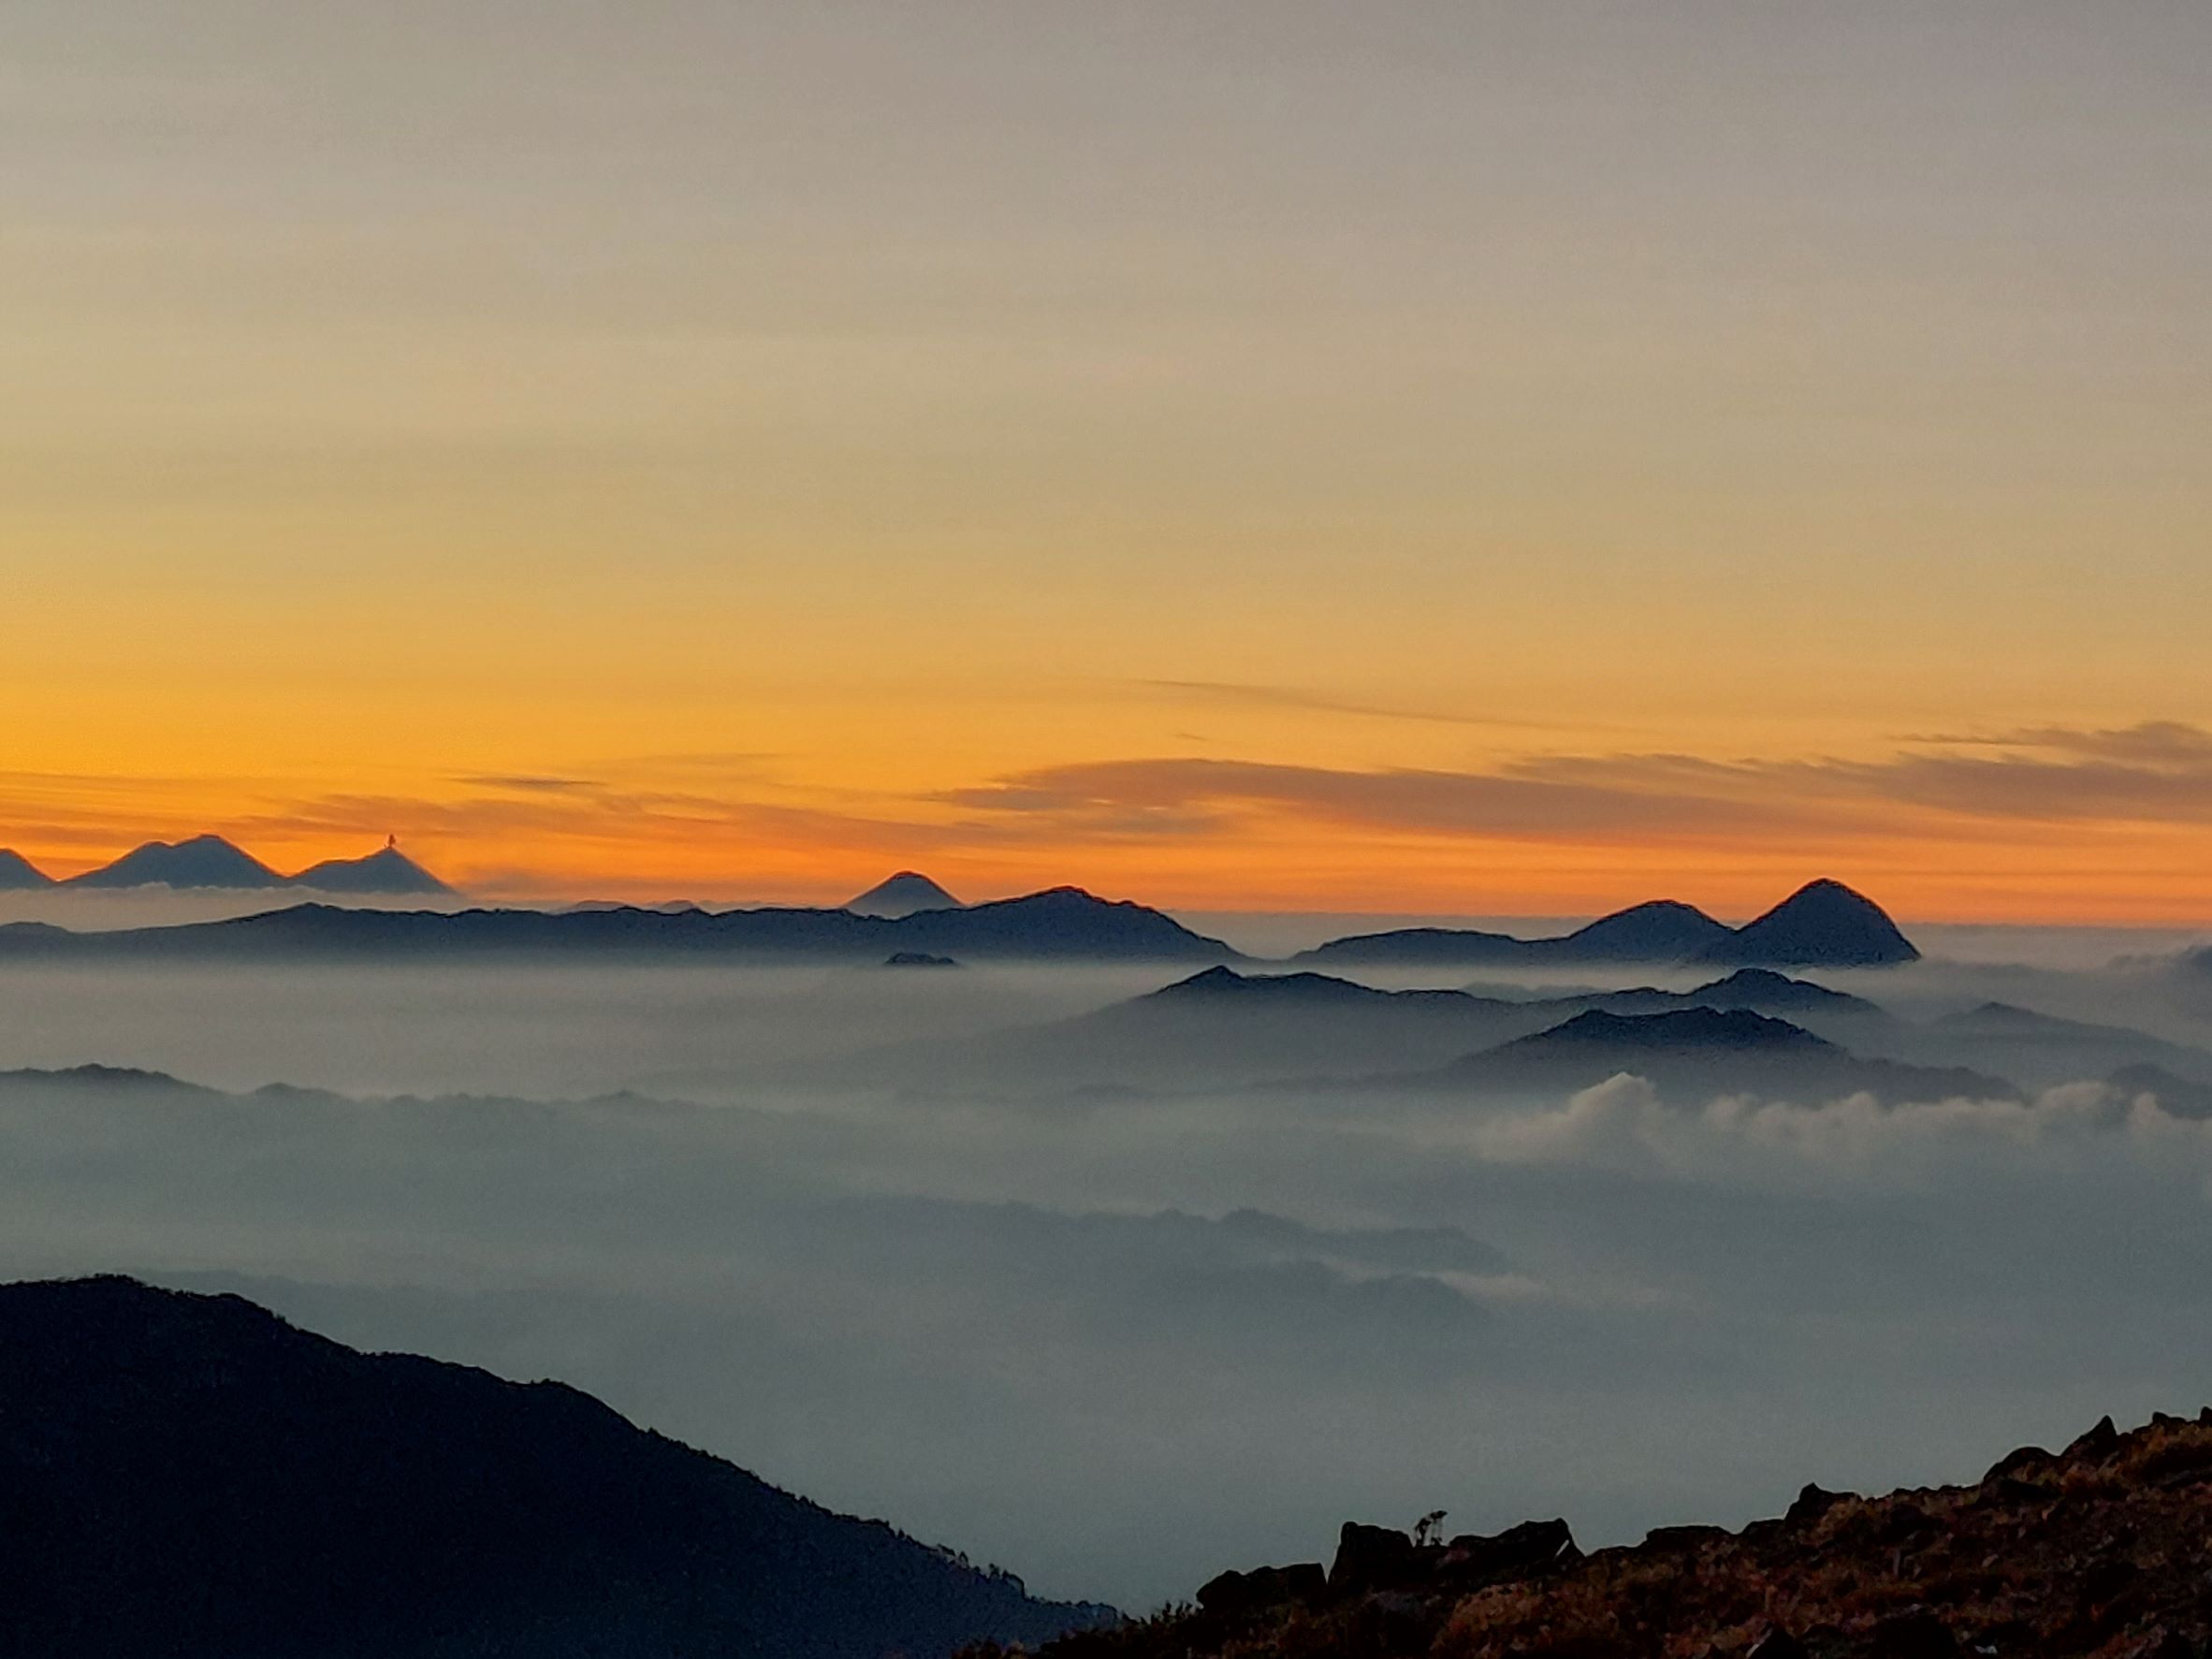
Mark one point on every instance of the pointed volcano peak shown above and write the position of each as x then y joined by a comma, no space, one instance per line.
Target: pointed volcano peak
386,870
204,861
906,894
1822,925
17,874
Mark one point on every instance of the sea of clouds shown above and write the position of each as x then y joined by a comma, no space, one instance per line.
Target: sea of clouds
1119,1340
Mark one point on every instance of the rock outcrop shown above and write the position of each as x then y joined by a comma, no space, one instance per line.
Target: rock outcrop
2104,1550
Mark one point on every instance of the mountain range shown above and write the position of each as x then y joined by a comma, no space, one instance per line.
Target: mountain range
187,1473
1823,924
210,862
1224,1027
1064,922
1693,1054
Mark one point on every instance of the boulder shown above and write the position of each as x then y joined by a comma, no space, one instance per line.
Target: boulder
1239,1595
2096,1445
1668,1539
1518,1553
1372,1558
1812,1503
2021,1459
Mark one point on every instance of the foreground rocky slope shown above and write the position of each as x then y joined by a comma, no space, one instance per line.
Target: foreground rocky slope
2103,1549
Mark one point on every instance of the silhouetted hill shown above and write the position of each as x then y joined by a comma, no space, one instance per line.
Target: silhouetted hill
918,959
2181,1096
189,1474
1221,988
1692,1055
1221,1026
2042,1050
1422,947
1764,991
903,894
2104,1547
1688,1030
1822,925
1663,930
1659,931
1064,923
388,870
204,861
1760,990
1217,1028
17,874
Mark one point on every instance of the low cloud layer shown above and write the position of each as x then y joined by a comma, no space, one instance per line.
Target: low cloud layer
1119,1341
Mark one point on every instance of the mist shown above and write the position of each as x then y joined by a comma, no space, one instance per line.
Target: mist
1119,1338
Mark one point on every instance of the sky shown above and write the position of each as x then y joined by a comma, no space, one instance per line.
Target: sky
1418,457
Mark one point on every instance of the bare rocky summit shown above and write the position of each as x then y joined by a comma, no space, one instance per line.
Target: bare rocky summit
2101,1549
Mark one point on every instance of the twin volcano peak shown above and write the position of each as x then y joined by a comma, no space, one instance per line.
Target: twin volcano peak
906,894
204,861
210,862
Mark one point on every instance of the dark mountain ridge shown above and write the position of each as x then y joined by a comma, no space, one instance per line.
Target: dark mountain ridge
1694,1055
204,861
189,1474
210,862
1062,923
17,874
1823,924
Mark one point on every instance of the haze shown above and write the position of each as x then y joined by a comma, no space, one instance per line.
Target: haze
1042,1322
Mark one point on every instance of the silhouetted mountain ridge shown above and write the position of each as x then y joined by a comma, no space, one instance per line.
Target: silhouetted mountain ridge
210,862
17,874
1062,921
204,861
1693,1054
1823,924
188,1474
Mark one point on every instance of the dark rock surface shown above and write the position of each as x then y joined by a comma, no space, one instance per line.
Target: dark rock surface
2104,1550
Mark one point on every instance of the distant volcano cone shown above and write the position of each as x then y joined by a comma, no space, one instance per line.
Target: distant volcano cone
17,874
204,861
388,870
906,894
1822,925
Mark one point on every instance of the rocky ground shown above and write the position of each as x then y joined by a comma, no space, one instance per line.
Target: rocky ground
2103,1548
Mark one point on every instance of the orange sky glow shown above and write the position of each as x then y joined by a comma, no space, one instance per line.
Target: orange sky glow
1414,458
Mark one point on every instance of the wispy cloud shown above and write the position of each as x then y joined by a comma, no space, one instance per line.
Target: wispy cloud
1315,702
2159,774
528,785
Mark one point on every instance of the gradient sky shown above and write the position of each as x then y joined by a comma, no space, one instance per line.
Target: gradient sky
1503,457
